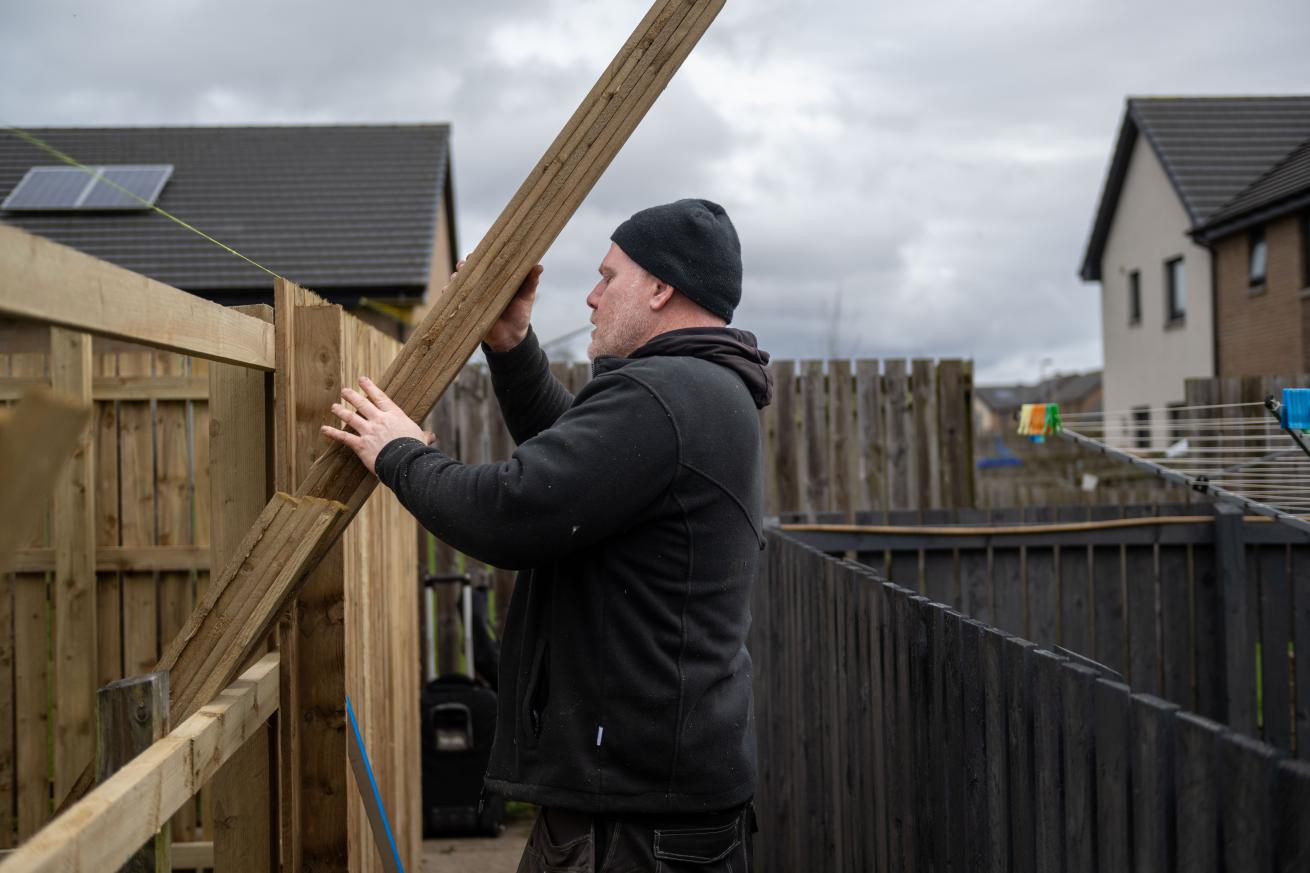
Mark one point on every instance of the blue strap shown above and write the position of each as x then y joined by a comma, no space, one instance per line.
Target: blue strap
373,804
1295,414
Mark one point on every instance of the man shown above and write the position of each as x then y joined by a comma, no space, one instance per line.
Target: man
634,514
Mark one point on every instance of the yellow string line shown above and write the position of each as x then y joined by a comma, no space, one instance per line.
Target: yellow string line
31,139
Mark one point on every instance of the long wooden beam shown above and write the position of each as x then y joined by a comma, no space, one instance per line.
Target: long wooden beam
449,334
103,829
108,559
45,281
123,387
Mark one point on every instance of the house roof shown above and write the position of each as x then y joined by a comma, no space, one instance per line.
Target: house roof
1286,186
1211,149
345,210
1069,389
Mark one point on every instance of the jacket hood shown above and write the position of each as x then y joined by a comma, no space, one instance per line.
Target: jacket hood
728,347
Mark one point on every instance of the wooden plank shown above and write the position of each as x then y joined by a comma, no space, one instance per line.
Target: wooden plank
954,786
1019,656
1237,621
814,438
1176,625
239,450
1041,583
1300,590
40,437
1112,702
1196,792
110,559
1143,621
1152,762
1008,599
1275,642
105,828
1248,770
198,855
109,593
137,522
1207,637
1049,840
1074,563
997,829
123,387
46,281
131,716
869,428
896,405
925,458
1293,804
842,462
1079,752
1109,627
975,572
955,431
787,439
975,814
939,575
74,582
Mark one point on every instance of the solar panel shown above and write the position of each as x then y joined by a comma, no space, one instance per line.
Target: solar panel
71,188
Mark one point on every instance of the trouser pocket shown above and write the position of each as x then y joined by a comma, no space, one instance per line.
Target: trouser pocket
563,845
700,850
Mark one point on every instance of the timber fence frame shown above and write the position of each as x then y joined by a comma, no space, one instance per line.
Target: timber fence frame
896,734
1190,602
180,457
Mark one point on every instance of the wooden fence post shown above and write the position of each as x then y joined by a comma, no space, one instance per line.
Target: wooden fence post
131,715
244,795
1236,620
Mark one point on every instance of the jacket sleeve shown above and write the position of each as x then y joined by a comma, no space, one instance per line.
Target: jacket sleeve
606,460
530,398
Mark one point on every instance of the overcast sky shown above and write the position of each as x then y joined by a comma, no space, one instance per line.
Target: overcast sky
908,179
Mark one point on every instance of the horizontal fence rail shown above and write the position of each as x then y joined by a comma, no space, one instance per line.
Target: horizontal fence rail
897,734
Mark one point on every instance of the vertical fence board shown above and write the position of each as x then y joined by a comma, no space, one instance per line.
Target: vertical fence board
1139,597
1275,640
1041,584
842,467
1152,782
1048,778
896,400
814,418
109,595
1113,795
1108,604
1196,778
1079,753
976,814
1019,655
926,460
1206,644
1007,578
871,436
999,807
955,431
1293,849
975,572
1075,588
1300,590
1176,624
787,440
1247,770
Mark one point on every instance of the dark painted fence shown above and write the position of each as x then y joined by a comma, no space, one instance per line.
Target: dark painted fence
895,734
1209,614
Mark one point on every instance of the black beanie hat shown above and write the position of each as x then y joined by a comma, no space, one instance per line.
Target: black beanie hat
691,245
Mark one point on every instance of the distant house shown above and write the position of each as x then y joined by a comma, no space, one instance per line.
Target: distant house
1178,163
995,407
1261,245
361,214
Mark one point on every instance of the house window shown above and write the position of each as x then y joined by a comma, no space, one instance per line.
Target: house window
1258,257
1135,297
1175,291
1142,427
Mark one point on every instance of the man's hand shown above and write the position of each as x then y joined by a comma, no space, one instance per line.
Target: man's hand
376,420
512,326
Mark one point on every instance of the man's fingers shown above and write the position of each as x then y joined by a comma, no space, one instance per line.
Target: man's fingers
349,416
375,393
344,437
360,402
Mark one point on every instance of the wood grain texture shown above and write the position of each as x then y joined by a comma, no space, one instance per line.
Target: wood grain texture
131,716
45,281
105,828
74,583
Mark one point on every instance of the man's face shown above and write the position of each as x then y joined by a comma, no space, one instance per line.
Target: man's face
621,303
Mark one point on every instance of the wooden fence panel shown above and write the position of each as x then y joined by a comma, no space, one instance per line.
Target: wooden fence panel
900,429
870,444
1300,590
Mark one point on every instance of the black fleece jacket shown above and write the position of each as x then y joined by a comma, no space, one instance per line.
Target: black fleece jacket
634,513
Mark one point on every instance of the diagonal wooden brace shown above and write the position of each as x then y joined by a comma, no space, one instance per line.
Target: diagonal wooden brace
243,600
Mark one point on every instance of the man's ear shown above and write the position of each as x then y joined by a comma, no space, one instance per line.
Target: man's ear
662,296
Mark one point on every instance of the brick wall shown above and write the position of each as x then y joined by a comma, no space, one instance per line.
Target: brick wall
1262,333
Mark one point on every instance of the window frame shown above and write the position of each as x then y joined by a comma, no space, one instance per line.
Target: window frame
1134,297
1256,237
1141,427
1172,316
